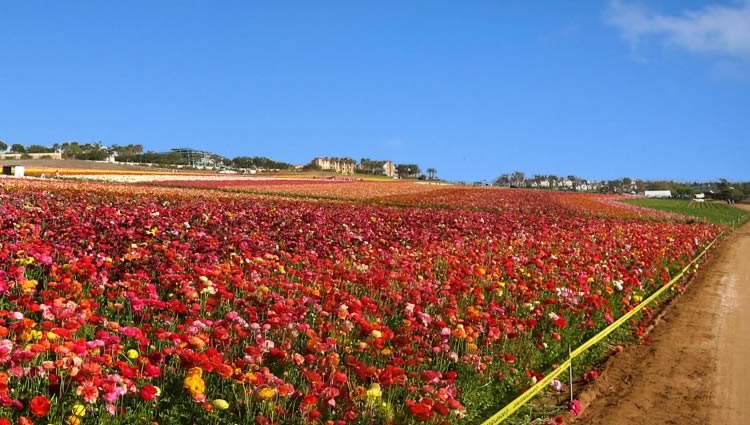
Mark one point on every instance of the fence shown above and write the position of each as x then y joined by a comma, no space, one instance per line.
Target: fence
524,398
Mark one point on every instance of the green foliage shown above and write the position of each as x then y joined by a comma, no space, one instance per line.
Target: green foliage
259,162
128,152
39,149
408,170
369,166
312,167
85,151
714,212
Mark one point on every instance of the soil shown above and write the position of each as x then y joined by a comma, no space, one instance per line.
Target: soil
695,366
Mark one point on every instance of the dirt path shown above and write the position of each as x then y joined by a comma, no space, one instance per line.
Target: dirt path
696,370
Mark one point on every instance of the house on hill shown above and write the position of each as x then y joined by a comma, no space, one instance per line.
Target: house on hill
377,167
339,165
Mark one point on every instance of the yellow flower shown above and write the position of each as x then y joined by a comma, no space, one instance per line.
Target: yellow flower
79,410
73,420
266,393
132,354
374,392
194,384
221,404
29,284
376,333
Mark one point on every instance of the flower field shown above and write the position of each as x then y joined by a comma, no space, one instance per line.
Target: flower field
133,304
323,188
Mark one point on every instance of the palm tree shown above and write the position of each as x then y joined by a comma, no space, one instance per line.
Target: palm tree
431,173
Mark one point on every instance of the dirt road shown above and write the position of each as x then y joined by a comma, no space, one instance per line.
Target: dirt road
696,370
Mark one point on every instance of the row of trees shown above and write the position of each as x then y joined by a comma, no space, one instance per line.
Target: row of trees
406,171
722,189
68,150
258,162
21,149
135,153
369,166
519,179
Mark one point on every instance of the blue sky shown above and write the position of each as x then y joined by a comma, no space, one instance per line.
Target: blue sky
604,89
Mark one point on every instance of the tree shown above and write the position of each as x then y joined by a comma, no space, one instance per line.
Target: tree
407,170
503,180
39,149
3,146
369,166
517,178
431,173
259,162
17,148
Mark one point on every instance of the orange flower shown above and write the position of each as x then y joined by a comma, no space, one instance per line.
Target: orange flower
225,370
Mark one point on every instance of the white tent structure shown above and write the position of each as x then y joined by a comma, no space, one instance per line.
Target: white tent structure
658,194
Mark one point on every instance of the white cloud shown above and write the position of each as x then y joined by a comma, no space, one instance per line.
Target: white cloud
713,29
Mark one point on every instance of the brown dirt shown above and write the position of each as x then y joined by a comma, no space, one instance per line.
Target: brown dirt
696,368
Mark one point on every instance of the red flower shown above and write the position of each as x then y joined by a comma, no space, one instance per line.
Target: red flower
421,411
39,405
148,392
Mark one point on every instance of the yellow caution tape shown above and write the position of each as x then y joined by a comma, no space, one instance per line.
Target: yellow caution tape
527,395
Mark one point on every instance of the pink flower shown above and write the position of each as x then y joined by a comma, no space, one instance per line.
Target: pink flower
575,407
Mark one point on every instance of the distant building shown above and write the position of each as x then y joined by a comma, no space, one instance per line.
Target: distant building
658,194
378,167
195,158
389,168
339,165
